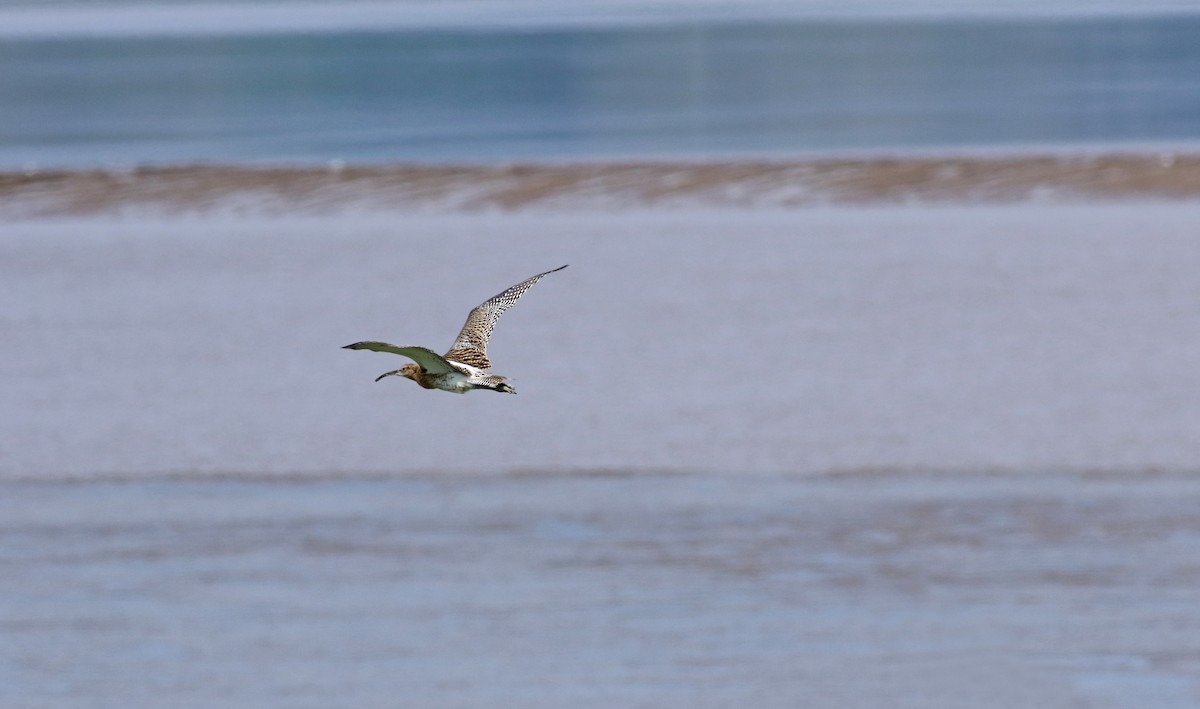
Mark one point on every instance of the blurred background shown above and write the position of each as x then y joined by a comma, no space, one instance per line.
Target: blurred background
872,381
107,83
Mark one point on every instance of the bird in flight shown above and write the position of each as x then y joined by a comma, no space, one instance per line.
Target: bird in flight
466,366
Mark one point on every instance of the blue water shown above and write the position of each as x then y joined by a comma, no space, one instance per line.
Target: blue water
686,88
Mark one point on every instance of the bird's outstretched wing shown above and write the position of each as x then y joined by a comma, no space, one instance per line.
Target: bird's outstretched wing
471,345
429,360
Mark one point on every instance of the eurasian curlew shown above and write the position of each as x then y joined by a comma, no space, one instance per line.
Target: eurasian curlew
465,366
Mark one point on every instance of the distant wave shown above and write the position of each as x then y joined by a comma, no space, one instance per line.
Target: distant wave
601,185
241,17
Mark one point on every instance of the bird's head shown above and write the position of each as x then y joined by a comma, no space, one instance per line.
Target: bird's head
408,371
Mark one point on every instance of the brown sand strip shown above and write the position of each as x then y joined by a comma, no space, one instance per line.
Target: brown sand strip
603,185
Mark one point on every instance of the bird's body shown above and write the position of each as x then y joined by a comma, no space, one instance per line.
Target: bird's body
466,365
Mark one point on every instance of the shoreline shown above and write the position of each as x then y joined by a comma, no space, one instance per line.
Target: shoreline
667,183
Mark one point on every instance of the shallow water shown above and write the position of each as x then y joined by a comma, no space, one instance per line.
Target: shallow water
680,87
551,590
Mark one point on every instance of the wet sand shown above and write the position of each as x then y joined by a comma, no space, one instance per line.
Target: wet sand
604,588
1161,175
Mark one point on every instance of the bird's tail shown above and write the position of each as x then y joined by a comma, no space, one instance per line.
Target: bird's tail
495,382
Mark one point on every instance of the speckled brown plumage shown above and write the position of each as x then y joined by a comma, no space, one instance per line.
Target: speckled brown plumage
461,369
471,345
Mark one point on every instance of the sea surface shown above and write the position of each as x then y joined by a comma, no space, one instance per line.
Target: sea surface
99,84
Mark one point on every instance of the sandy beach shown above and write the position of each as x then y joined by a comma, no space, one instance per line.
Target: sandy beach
1135,175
